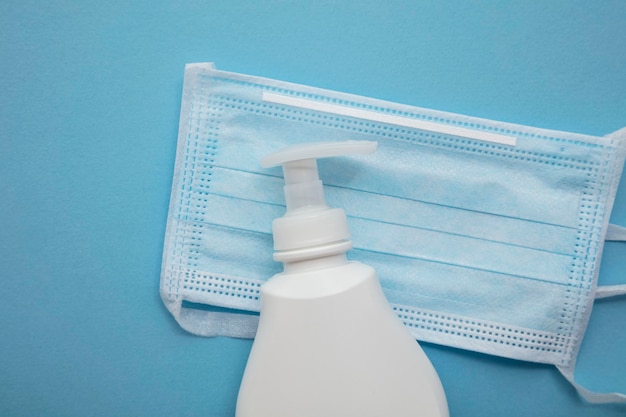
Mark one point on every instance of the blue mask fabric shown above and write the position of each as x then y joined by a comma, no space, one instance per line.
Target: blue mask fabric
486,236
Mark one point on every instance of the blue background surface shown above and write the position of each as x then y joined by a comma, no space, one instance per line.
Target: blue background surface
89,104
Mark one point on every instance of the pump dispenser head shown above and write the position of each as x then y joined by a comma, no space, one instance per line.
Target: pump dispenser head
309,228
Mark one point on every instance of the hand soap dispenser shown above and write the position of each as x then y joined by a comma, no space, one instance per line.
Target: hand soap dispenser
328,343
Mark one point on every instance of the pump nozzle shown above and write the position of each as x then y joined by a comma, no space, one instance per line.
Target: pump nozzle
309,227
318,150
303,188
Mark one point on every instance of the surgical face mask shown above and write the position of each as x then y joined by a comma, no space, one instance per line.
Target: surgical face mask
486,236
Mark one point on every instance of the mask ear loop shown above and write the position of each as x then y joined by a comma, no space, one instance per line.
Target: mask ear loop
607,291
211,324
616,234
590,396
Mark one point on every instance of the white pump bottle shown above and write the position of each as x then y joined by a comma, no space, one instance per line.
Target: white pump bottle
328,343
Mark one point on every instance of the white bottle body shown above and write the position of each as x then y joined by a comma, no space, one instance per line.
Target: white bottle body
329,345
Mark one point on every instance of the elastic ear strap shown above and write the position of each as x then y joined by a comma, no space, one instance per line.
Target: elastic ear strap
211,323
214,323
615,233
591,396
606,291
